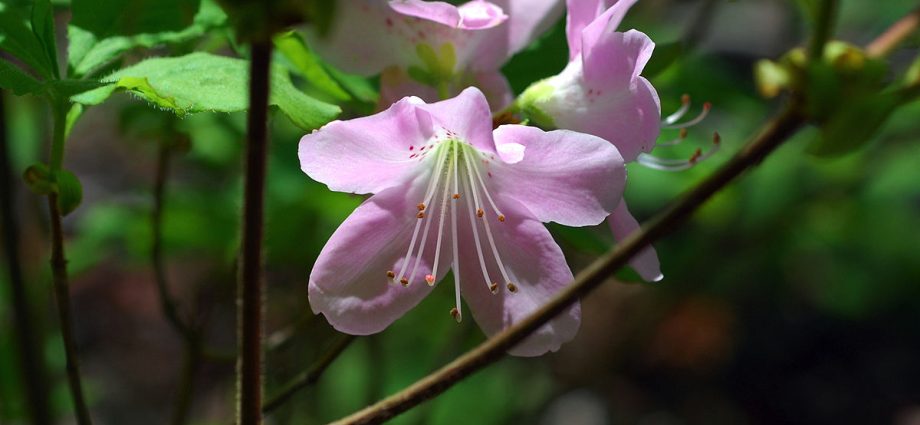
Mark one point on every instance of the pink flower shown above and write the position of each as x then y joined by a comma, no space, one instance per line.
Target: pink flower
448,192
600,92
434,49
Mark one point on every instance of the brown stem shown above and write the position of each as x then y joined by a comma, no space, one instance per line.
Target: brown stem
62,292
494,348
250,289
310,376
773,134
30,340
891,38
191,336
59,269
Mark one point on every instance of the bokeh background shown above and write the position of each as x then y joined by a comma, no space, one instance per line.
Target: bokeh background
793,297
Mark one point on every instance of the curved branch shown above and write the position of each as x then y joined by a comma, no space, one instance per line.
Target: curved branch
890,39
777,131
309,376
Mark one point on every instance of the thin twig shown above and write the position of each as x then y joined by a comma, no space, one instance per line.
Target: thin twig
891,38
495,347
167,302
190,333
59,274
30,339
310,376
250,290
778,130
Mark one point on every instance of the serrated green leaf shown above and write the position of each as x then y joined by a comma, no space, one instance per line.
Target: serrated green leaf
70,191
13,79
309,65
201,82
17,39
90,50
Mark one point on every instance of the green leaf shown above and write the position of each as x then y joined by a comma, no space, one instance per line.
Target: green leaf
201,82
70,191
854,124
359,87
665,55
105,18
43,28
309,65
17,38
13,79
91,48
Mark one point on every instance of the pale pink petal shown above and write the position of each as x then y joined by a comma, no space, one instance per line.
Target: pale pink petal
536,266
645,263
617,105
580,13
480,15
435,11
345,154
365,37
349,283
496,88
395,83
574,179
527,20
595,28
467,116
617,58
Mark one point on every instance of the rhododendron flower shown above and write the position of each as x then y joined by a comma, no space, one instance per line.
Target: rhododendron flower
431,49
600,92
448,192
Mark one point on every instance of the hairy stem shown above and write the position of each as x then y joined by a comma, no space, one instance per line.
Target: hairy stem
249,385
310,376
59,272
28,335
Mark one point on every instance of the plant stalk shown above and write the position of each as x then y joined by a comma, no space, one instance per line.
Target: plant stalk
249,385
59,271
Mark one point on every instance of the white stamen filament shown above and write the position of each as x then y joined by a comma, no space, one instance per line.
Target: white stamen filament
680,112
475,199
429,192
486,191
699,118
443,212
664,164
453,232
498,259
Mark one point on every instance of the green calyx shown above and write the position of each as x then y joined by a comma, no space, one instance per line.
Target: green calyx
531,103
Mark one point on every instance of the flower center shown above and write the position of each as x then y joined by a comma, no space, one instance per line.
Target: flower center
457,178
